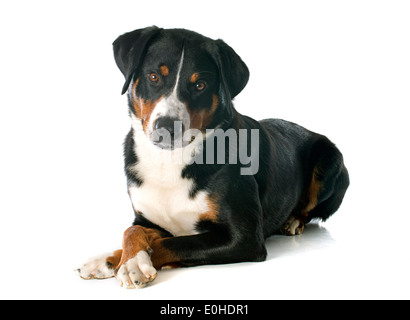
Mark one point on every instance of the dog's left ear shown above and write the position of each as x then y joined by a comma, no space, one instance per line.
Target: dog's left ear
235,73
130,49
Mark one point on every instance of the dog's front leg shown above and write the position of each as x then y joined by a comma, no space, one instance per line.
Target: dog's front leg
145,251
101,267
135,268
131,265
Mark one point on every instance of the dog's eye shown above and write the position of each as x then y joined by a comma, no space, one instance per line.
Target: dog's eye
154,77
200,85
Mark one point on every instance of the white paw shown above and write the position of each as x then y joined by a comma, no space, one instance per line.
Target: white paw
137,272
96,268
293,227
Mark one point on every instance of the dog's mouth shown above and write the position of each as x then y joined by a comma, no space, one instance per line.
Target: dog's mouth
165,140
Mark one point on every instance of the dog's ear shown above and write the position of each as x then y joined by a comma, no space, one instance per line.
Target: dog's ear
235,73
130,49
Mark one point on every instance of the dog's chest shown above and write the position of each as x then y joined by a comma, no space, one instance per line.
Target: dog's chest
169,208
163,197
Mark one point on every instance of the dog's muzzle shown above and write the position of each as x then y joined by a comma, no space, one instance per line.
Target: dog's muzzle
168,133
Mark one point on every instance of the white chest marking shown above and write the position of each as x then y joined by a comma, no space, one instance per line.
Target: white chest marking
163,198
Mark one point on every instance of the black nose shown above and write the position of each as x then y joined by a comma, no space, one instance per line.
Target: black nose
166,123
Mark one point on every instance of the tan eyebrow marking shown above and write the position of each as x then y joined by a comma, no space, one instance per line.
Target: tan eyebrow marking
164,70
194,77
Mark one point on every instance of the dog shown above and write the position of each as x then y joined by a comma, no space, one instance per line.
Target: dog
194,202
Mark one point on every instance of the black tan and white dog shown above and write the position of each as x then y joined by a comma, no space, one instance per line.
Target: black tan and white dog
204,208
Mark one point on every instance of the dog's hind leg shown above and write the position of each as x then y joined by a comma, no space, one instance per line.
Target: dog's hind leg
293,226
329,183
325,189
300,216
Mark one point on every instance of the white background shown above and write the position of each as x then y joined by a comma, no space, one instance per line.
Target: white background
341,68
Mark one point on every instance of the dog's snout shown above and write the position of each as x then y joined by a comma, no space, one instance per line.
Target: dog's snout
166,123
168,133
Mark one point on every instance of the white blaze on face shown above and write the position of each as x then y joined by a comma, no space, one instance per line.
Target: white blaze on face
171,106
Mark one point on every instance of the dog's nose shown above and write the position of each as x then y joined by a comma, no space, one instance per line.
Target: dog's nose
166,123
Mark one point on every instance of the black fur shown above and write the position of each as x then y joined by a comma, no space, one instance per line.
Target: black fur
251,208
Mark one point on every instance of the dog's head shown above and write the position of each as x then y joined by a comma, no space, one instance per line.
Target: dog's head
178,80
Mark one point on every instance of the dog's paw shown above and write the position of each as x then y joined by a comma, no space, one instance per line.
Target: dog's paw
97,268
293,227
137,272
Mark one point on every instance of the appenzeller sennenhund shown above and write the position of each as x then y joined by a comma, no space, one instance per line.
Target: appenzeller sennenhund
195,200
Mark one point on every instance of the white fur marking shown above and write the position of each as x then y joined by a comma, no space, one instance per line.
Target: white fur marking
163,197
171,106
292,225
145,264
96,268
137,272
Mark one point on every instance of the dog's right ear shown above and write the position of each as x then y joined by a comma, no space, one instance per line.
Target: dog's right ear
130,49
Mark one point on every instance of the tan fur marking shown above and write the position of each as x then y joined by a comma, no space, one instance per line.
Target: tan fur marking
137,238
143,108
194,77
213,212
162,257
164,70
215,102
147,108
115,259
135,100
202,119
313,193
